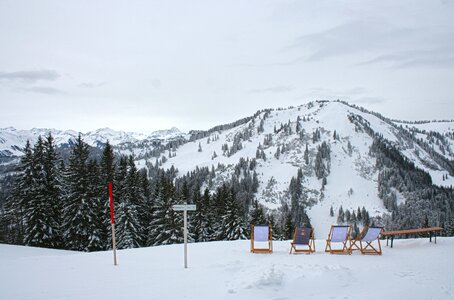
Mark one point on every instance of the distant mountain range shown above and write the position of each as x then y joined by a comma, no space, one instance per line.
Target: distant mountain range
12,141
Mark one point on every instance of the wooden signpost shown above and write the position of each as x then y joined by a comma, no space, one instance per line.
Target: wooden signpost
185,208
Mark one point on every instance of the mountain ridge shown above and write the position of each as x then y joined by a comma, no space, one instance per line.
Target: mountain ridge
323,155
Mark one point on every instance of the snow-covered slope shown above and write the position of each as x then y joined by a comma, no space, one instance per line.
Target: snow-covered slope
352,178
413,269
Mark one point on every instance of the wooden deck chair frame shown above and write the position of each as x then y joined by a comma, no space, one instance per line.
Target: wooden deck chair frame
368,249
310,246
346,244
269,249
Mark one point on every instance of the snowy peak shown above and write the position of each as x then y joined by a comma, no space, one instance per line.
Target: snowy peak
165,134
12,140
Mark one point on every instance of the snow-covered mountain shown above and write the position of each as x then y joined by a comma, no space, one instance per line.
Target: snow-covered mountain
328,146
12,141
351,174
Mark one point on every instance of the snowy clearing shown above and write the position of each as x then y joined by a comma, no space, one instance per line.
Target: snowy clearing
413,269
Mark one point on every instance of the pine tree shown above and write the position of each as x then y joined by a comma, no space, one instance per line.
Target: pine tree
298,124
79,212
42,215
166,224
256,215
278,153
340,216
289,226
306,155
18,203
98,237
202,220
232,225
359,216
331,212
106,174
53,192
131,203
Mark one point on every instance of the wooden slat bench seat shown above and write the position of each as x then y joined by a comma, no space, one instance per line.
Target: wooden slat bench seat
431,231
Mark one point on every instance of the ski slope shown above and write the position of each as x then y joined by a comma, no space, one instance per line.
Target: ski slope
413,269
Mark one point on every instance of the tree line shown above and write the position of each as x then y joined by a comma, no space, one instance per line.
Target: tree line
65,205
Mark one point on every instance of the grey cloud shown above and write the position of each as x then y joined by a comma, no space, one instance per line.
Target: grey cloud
400,47
29,76
353,37
41,90
275,89
441,57
91,85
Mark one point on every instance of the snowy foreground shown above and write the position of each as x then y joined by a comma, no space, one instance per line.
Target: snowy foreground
413,269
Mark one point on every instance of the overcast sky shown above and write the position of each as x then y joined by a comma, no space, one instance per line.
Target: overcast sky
148,65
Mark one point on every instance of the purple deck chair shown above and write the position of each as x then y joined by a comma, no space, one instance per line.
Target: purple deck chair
368,235
339,234
303,237
264,234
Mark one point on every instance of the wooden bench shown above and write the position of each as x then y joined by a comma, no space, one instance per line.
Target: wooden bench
431,231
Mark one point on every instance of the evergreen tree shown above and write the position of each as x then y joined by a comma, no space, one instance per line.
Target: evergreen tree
359,215
289,226
131,203
53,192
278,153
166,224
256,215
201,220
106,173
340,216
42,215
306,155
18,203
81,231
232,225
97,199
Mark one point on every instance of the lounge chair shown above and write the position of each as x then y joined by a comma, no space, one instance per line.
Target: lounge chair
368,235
303,237
339,234
261,234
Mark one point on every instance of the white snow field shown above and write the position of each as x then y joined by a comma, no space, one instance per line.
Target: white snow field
413,269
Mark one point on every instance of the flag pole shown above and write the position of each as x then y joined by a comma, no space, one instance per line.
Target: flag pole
112,222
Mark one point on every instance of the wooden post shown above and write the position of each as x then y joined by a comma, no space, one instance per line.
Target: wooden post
114,244
185,215
112,222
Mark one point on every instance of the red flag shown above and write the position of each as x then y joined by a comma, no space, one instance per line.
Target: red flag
112,217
